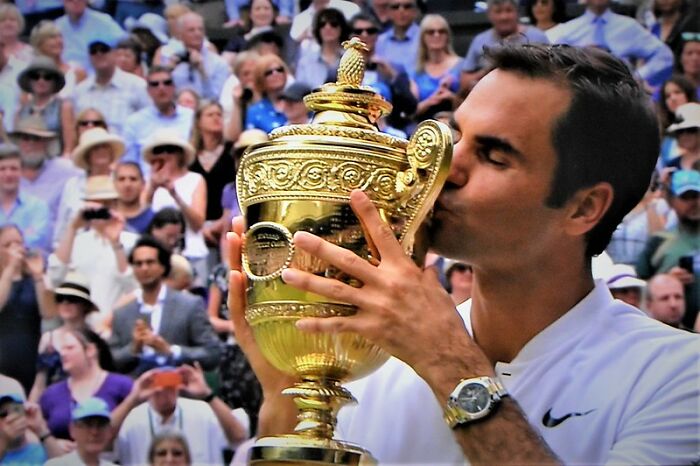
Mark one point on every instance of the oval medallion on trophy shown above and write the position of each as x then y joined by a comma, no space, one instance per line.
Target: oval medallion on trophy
268,250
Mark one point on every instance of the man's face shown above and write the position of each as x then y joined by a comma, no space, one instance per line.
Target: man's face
690,58
294,111
192,32
102,57
74,7
169,234
33,149
366,32
504,18
164,400
492,209
3,55
161,89
598,4
666,302
687,207
402,13
10,173
147,269
128,183
667,5
91,434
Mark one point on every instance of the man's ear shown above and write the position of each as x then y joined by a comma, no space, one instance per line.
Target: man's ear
587,207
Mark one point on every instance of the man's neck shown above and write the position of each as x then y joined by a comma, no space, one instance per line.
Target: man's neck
400,31
76,18
104,77
598,10
167,414
167,109
89,458
129,209
151,292
8,199
32,173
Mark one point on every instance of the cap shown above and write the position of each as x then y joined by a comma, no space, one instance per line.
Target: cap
623,276
14,397
110,41
683,181
295,92
92,407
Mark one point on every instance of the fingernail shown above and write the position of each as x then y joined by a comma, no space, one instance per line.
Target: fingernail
289,275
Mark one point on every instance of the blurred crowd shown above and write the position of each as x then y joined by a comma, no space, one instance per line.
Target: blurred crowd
122,128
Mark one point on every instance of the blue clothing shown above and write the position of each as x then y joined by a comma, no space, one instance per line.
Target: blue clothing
263,115
216,70
233,7
427,84
475,60
623,37
139,223
312,70
31,454
402,51
31,215
77,36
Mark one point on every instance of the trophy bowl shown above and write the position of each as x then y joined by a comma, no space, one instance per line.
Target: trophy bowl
301,180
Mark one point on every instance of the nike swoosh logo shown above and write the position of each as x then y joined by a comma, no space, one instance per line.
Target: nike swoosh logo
549,421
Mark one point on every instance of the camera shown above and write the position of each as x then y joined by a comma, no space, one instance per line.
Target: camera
246,95
689,263
97,214
183,57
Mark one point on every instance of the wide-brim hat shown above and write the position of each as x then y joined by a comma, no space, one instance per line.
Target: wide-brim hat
100,188
623,276
75,284
151,22
687,117
41,63
32,125
250,137
168,137
95,137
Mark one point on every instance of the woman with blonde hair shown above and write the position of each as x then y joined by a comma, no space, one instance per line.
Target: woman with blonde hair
437,69
11,28
270,80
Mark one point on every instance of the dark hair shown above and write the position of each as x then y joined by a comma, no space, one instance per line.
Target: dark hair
159,69
104,355
364,17
131,43
682,7
608,134
248,21
558,11
265,37
166,216
330,14
148,241
665,114
130,164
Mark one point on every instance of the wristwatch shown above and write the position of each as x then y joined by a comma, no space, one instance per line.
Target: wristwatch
473,399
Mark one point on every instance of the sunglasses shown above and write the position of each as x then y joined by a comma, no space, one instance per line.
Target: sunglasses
331,23
271,71
91,123
99,48
436,32
11,408
29,138
405,6
369,31
167,149
164,83
175,452
61,298
36,75
462,268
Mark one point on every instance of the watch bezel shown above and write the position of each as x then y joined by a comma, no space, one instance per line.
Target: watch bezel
456,415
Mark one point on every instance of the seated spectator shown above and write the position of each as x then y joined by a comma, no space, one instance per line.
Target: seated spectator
42,175
29,213
173,185
546,14
319,61
503,16
47,39
130,185
151,31
198,67
88,363
96,154
690,59
261,18
400,42
270,80
187,98
671,18
42,80
676,91
81,26
73,305
460,280
239,90
161,112
302,23
23,303
12,28
169,448
91,430
129,54
166,54
620,35
293,106
94,245
89,118
267,43
284,11
17,419
665,300
623,283
437,70
168,227
181,275
687,134
161,326
115,93
10,68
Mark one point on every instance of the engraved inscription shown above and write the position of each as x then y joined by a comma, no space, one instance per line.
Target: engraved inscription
267,251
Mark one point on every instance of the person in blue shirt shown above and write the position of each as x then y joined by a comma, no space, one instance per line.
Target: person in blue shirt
17,418
400,42
270,80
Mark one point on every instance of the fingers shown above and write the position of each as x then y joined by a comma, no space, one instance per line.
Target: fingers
379,231
344,259
328,287
234,250
329,325
236,301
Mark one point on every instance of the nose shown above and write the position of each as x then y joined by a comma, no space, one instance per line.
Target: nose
459,167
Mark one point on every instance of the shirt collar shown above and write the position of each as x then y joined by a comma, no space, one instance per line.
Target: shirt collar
159,300
410,33
591,17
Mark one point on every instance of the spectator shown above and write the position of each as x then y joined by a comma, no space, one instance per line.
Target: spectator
674,93
400,42
166,54
546,14
47,40
203,419
162,112
181,276
379,10
134,9
86,360
96,154
73,305
319,62
81,26
260,19
90,428
687,134
151,32
23,303
503,16
12,27
10,68
270,80
115,93
42,175
301,24
94,245
690,59
89,118
16,420
129,53
293,106
169,448
130,184
671,19
173,185
284,11
162,326
42,81
620,35
239,88
460,280
188,98
267,43
664,251
665,300
29,213
198,67
623,283
437,70
168,227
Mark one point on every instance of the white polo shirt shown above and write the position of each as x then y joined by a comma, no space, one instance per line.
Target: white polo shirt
604,384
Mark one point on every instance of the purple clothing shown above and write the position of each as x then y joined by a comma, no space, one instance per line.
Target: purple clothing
57,401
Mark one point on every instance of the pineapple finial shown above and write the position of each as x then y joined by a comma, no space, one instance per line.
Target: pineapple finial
351,69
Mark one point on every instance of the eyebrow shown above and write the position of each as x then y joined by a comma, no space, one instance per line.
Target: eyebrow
500,144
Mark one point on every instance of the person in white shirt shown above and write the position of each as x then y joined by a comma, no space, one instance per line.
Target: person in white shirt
554,369
301,25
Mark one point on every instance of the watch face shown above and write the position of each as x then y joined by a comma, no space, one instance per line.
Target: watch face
474,398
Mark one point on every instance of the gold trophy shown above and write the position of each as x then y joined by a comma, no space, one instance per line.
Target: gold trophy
301,180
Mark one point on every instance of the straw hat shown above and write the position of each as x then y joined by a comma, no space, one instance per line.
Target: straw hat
75,284
33,125
687,117
168,137
94,137
250,137
41,63
100,188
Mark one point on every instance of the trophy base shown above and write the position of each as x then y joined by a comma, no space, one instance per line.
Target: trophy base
297,450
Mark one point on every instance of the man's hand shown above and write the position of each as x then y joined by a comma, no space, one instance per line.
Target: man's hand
14,426
35,421
114,226
197,61
159,344
139,335
16,257
34,264
193,382
685,277
143,387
